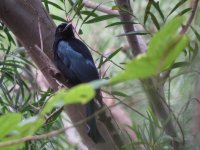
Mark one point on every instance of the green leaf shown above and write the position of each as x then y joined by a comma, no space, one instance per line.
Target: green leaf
192,50
118,93
91,13
63,1
96,84
155,21
177,6
2,36
184,11
111,55
120,23
8,123
79,94
162,39
147,10
53,4
133,33
46,5
57,18
100,18
12,147
9,36
77,9
180,64
160,55
100,62
30,125
196,33
157,7
76,6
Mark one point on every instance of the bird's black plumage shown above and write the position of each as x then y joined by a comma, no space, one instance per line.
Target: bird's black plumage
75,61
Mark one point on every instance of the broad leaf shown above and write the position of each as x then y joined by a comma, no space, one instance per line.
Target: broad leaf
79,94
163,49
8,123
30,125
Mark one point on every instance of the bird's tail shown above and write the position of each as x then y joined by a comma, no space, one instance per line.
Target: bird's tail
92,127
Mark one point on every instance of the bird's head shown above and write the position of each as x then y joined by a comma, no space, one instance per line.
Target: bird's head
65,30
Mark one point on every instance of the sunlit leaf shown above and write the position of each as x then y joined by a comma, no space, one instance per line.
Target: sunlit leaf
30,125
160,55
9,122
168,32
79,94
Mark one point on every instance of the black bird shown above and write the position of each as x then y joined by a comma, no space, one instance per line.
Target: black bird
74,60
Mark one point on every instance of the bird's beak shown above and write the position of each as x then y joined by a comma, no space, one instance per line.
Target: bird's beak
67,26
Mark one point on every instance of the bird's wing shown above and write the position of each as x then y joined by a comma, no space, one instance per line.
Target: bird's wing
83,68
80,47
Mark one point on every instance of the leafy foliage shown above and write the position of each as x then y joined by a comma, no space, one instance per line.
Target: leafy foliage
80,94
160,55
23,104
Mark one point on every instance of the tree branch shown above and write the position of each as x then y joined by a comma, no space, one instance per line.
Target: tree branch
190,19
29,21
152,86
133,41
100,7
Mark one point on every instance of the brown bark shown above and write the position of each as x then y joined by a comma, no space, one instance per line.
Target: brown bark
136,45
